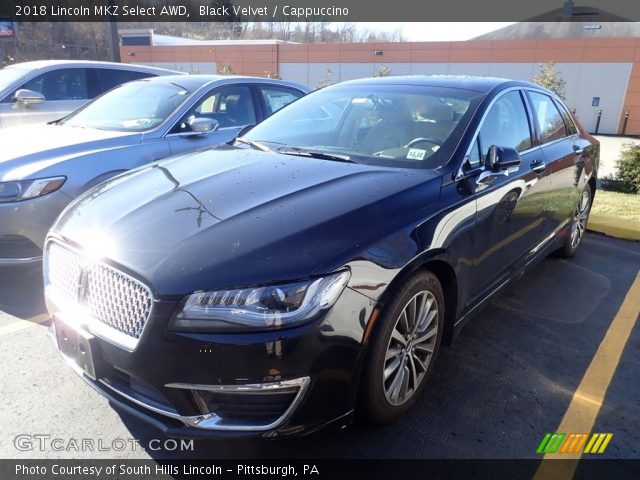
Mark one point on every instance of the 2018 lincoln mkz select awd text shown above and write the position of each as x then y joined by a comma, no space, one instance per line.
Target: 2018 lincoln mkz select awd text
313,267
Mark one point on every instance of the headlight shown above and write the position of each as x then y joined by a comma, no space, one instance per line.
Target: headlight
260,308
26,189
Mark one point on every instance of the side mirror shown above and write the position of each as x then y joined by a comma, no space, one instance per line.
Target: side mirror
204,125
502,158
499,161
28,97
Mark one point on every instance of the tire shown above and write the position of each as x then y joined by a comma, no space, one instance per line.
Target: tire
579,220
385,400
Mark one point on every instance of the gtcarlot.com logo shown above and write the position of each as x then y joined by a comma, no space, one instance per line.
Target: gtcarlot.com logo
41,442
574,443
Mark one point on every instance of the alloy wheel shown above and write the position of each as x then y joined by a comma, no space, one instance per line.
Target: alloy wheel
580,219
410,348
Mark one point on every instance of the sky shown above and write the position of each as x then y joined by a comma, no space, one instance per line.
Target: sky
435,31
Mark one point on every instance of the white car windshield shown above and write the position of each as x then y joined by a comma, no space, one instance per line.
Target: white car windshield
134,106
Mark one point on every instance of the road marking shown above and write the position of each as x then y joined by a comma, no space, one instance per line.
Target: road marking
22,324
589,396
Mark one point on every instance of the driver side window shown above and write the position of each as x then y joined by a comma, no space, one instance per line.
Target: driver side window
231,106
65,84
506,125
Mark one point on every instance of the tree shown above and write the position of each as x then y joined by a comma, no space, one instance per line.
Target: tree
383,71
327,80
548,77
226,69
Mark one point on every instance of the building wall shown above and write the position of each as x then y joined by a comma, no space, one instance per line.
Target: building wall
608,68
608,81
243,59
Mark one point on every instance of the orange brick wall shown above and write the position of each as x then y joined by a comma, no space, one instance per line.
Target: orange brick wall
244,59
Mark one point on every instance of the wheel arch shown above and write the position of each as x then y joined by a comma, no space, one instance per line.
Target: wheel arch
437,264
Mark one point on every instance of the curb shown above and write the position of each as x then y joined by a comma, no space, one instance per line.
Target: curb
615,227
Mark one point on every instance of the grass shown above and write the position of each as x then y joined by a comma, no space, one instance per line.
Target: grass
617,205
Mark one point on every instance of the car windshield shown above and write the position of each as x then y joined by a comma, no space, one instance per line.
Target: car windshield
408,126
10,75
134,106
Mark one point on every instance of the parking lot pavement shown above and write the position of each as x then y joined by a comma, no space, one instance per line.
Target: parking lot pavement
509,378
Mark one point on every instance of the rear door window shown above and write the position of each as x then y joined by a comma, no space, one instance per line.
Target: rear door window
550,122
277,97
568,121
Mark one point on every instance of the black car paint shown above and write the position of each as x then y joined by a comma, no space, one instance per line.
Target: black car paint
235,217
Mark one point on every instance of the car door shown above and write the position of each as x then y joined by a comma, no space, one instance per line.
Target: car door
561,146
232,106
64,90
510,209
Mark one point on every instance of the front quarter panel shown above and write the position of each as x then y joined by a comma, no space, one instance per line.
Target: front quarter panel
88,170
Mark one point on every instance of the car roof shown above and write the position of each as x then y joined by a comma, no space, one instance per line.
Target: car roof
468,82
192,82
47,64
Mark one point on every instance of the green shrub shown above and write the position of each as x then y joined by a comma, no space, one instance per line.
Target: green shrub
628,166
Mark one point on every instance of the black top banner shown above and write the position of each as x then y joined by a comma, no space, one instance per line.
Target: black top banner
317,10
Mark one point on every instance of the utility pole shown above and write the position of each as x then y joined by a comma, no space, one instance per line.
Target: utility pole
15,42
114,39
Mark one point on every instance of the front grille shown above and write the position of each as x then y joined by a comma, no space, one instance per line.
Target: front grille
109,296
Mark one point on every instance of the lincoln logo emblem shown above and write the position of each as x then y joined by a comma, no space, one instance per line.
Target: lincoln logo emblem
83,285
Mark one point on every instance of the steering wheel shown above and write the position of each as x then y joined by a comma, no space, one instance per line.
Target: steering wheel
418,140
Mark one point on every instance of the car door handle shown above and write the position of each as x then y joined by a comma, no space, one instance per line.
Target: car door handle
577,149
538,166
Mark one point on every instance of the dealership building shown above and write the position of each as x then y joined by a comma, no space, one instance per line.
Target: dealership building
600,63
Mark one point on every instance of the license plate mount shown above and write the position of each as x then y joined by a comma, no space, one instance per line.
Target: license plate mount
79,347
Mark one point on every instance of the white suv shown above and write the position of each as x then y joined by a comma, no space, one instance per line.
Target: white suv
43,91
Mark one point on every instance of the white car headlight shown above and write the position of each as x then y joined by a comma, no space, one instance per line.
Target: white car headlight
260,308
26,189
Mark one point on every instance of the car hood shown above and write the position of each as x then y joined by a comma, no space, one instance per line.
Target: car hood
27,150
231,217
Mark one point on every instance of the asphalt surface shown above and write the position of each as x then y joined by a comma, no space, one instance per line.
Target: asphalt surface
506,381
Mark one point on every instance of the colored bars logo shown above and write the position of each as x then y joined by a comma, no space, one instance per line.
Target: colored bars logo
574,443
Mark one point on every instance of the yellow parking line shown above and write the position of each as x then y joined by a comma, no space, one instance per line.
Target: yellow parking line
589,396
22,324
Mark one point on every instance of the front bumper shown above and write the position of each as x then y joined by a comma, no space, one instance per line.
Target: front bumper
266,385
24,226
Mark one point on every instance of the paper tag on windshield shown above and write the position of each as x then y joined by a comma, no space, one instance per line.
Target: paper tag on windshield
416,154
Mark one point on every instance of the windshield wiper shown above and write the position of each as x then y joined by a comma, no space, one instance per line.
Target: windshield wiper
256,145
315,154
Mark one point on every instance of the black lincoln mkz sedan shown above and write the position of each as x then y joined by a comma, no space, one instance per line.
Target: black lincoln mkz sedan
312,268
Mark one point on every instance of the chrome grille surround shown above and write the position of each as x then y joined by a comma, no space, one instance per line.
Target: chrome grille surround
111,304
